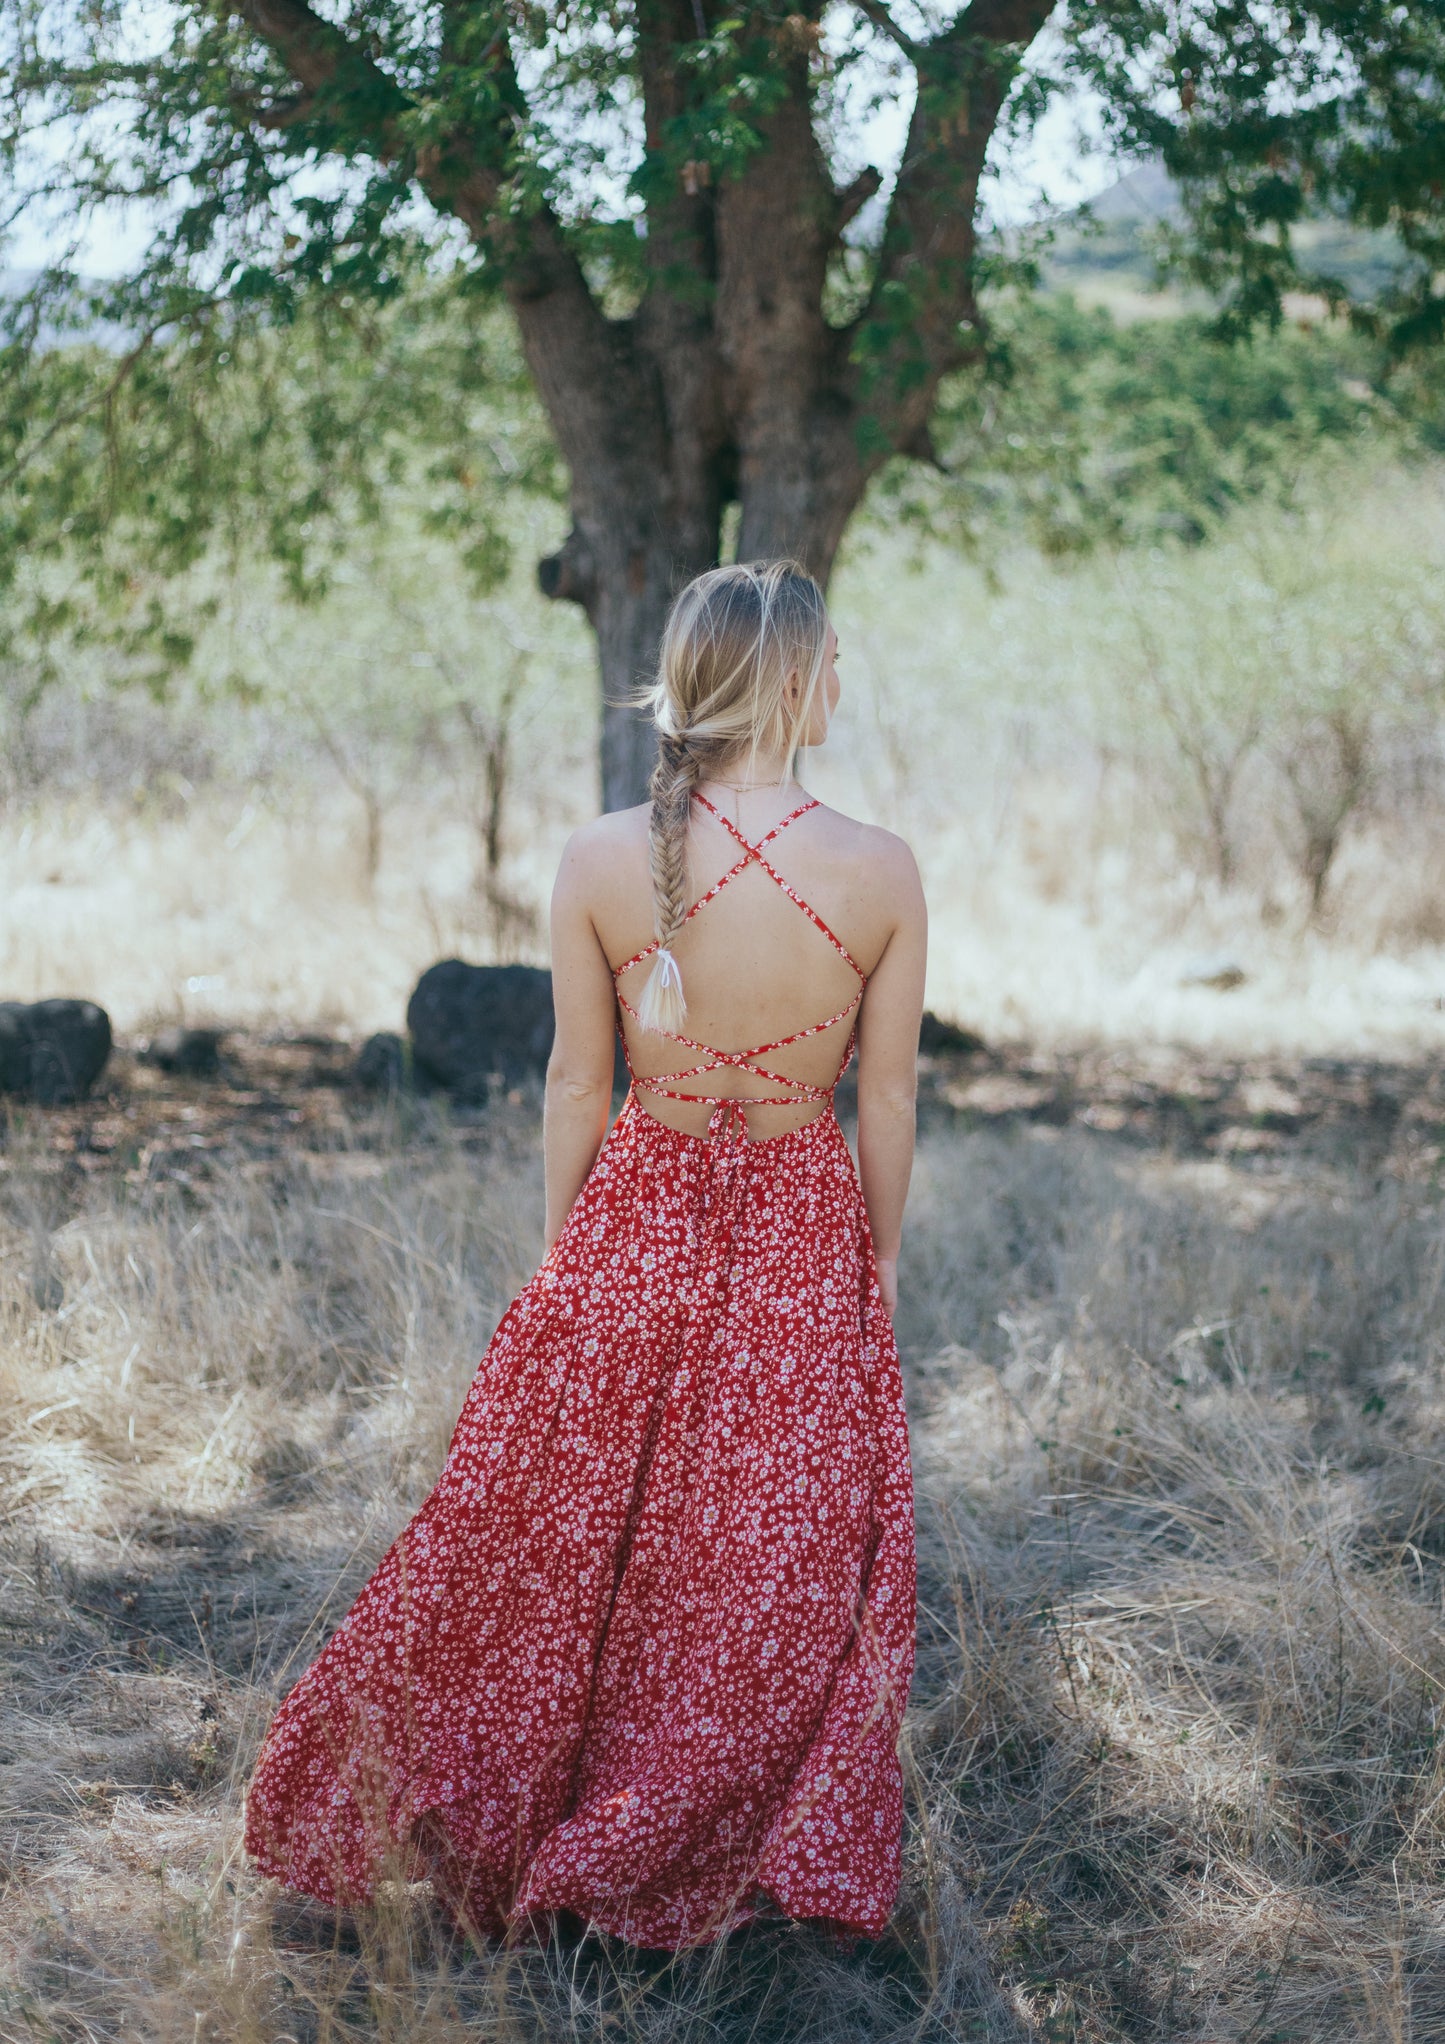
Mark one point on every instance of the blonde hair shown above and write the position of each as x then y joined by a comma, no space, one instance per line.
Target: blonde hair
732,639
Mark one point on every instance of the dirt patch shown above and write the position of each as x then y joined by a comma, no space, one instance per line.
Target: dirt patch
284,1095
1389,1117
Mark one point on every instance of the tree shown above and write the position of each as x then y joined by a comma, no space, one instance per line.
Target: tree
1303,655
733,322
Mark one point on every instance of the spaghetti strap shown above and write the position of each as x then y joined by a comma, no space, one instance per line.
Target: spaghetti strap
754,853
725,1120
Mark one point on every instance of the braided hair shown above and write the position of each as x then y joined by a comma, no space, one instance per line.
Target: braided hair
733,639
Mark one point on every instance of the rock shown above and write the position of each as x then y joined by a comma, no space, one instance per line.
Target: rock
187,1053
935,1035
52,1052
471,1024
381,1063
14,1049
1221,975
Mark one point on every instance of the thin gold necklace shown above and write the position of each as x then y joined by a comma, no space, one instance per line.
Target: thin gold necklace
743,788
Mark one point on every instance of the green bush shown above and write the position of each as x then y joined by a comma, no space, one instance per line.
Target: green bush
1080,429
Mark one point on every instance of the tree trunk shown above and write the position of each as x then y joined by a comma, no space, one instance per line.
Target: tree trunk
628,623
627,590
627,594
729,383
626,587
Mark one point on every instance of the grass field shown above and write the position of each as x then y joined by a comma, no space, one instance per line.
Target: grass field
1173,1311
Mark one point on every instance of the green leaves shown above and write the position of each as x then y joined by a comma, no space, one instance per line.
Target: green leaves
1079,430
1267,115
335,194
230,436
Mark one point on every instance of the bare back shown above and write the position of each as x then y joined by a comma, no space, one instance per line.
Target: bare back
775,963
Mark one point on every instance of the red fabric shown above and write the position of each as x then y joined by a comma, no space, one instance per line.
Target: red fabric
643,1652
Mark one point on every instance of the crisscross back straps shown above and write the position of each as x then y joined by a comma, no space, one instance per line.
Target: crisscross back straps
753,853
801,1092
750,852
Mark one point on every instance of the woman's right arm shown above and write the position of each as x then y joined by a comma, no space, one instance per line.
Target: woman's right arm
579,1071
888,1064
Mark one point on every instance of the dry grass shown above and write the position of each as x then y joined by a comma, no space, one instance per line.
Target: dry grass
211,862
1174,1756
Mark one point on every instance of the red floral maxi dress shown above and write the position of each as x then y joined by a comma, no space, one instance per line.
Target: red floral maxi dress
643,1652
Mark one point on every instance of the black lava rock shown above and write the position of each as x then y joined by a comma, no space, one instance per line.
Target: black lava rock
52,1052
936,1035
14,1048
472,1025
188,1053
380,1064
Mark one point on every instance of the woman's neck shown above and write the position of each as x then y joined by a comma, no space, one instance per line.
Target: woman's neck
748,772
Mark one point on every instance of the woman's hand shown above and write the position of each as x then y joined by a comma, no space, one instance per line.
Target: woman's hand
888,1283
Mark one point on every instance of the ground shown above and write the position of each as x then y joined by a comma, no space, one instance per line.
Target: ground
1174,1336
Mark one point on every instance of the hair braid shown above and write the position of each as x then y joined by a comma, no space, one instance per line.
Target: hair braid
676,774
734,640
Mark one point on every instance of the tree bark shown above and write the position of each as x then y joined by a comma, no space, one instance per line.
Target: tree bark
625,590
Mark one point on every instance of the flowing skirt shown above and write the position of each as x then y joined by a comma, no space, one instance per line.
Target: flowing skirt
643,1652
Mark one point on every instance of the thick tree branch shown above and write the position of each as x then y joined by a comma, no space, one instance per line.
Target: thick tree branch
279,114
882,20
341,83
82,78
680,199
580,359
329,66
855,196
674,327
1000,21
915,328
777,230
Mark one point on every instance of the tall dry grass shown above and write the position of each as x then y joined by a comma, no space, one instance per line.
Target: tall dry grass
1174,1757
1117,775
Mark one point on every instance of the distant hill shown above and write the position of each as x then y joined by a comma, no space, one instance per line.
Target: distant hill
1109,250
1143,194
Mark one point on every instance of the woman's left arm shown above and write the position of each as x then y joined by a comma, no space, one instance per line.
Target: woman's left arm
579,1071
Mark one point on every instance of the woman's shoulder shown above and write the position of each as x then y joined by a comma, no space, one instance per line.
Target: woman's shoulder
869,846
614,846
599,851
613,830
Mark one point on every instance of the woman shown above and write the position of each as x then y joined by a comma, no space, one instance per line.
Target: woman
642,1654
